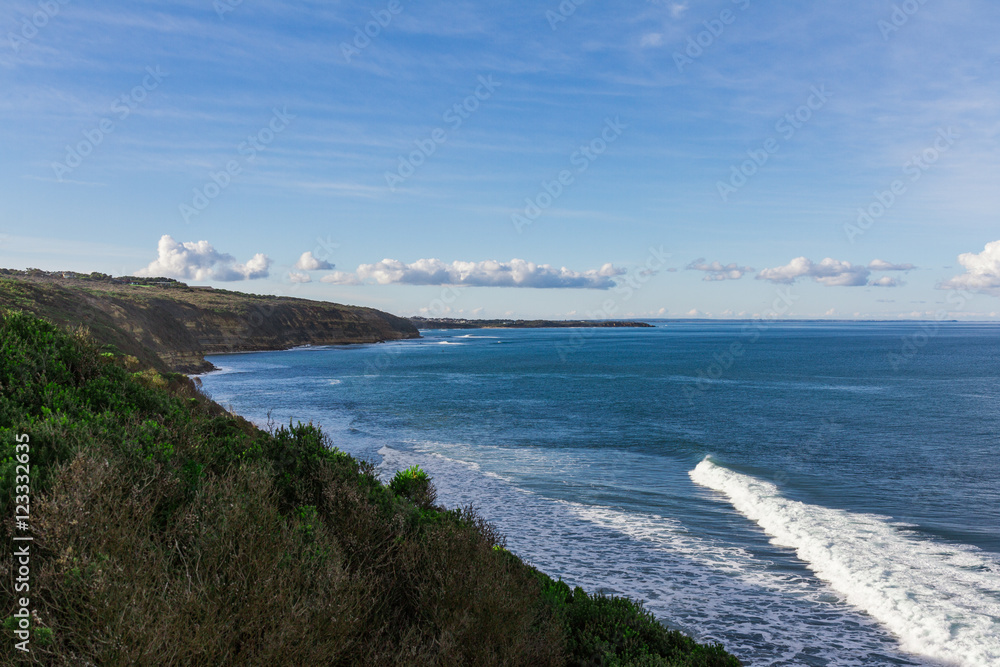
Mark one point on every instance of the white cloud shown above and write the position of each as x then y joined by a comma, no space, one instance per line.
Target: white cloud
309,263
340,278
297,277
829,272
982,271
200,261
882,265
490,273
885,281
678,9
716,271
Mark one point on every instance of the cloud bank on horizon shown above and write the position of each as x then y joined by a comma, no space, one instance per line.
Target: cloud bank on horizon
199,260
487,112
716,271
489,273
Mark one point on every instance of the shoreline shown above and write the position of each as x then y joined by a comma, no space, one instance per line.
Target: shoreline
285,516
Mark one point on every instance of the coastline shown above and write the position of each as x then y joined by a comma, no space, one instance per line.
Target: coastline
172,327
495,444
377,571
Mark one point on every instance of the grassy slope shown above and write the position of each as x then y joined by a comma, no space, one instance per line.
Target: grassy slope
168,531
172,328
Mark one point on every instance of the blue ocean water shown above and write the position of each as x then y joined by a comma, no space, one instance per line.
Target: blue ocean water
806,493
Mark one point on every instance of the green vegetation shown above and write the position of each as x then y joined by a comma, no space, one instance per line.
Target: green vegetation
415,485
170,326
168,531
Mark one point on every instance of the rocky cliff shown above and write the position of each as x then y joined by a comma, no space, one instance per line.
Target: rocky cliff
171,326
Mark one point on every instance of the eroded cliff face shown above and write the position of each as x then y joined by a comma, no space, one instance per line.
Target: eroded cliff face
173,327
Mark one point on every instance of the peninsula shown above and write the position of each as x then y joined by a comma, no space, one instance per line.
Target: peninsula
450,323
170,326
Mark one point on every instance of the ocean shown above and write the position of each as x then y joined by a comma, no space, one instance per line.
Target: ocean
805,493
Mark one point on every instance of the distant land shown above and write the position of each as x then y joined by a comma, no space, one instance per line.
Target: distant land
449,323
171,326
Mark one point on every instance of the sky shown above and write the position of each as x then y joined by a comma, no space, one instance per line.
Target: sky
574,159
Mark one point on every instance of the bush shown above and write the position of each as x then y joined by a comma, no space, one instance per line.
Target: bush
415,485
167,530
615,631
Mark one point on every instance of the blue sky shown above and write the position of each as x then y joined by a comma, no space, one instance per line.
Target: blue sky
713,155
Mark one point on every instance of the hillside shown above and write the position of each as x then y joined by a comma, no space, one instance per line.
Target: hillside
164,530
171,326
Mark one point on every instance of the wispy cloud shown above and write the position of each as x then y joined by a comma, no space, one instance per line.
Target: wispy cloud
340,278
651,39
829,272
716,270
882,265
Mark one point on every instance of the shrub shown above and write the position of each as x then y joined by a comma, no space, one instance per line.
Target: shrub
167,530
415,485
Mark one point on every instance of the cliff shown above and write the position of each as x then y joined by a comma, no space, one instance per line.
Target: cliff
171,326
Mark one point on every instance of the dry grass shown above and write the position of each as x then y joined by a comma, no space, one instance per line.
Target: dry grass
230,581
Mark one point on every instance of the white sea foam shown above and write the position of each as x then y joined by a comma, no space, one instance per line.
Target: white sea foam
942,600
721,592
220,370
